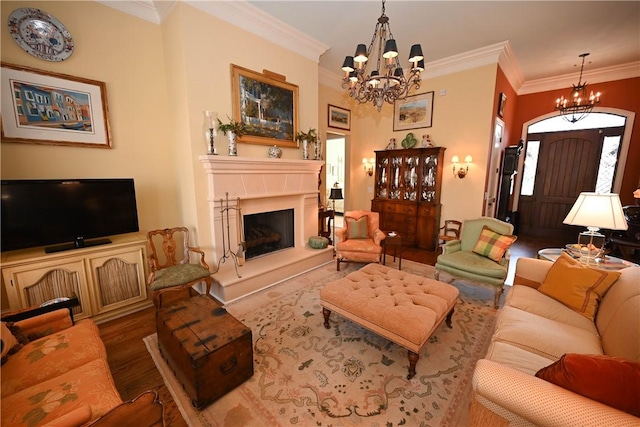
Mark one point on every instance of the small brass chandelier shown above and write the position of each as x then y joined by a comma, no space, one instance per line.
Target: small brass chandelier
387,81
579,105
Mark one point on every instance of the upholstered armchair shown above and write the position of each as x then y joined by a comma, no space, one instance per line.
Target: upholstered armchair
360,238
481,255
170,264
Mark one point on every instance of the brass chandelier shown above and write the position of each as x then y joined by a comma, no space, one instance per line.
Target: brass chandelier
386,82
578,106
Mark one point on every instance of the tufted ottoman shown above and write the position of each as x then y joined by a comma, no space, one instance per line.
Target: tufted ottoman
401,307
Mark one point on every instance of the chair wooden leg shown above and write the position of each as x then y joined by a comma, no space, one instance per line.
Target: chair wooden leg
338,262
413,360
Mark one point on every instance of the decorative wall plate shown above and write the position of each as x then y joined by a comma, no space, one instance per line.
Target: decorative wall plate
40,34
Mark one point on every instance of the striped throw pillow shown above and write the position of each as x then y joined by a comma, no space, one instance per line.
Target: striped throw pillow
357,228
493,245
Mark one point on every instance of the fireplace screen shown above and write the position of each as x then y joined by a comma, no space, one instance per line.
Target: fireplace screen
268,232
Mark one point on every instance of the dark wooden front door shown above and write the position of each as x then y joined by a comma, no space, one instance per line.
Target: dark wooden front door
567,165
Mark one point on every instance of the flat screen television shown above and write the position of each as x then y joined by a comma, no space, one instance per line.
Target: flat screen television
66,213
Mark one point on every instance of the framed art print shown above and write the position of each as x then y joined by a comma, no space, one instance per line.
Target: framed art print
43,107
413,112
501,104
339,118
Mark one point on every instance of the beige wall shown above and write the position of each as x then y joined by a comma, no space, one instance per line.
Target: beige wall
125,53
200,79
462,122
159,80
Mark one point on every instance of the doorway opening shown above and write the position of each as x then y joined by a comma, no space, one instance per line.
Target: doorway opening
335,160
563,159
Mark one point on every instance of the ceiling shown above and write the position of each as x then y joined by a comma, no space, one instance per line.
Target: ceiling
546,37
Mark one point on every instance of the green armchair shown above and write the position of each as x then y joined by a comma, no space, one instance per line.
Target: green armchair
460,261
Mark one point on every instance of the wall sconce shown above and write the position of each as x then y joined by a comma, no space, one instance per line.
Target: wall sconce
368,165
458,171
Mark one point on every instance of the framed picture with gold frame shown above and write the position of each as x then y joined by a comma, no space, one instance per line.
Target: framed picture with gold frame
43,107
267,104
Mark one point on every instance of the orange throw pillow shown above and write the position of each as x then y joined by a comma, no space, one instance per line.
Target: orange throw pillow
576,286
605,379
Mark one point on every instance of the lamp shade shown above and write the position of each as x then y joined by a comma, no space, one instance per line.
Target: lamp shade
390,49
336,194
597,211
415,54
348,65
361,53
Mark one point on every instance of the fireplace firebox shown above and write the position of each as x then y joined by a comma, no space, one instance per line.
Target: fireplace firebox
268,232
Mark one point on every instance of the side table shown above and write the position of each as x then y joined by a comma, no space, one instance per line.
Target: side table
608,263
394,242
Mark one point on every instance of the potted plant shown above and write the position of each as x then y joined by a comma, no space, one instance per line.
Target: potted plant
233,130
307,138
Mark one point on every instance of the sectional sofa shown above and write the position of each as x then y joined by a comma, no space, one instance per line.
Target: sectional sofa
55,373
597,383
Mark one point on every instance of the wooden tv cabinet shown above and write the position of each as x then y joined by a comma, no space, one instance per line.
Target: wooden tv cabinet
109,280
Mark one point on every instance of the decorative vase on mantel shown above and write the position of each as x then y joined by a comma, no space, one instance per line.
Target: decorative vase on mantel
275,152
233,146
317,150
305,149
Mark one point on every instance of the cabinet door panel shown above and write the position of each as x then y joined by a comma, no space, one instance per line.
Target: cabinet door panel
32,287
119,279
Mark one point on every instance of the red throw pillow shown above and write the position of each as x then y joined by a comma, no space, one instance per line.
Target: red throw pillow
610,380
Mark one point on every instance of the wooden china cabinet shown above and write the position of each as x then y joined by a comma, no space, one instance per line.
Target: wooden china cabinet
407,194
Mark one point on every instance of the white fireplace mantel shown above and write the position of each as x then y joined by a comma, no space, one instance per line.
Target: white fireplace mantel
255,185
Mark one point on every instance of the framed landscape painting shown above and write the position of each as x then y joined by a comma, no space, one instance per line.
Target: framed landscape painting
267,104
413,112
43,107
339,118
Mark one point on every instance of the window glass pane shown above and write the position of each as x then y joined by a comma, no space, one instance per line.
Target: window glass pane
592,121
530,167
608,161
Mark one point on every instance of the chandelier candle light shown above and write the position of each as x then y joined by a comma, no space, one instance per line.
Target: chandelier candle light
387,81
579,106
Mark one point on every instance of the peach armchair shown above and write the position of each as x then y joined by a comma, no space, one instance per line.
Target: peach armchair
360,239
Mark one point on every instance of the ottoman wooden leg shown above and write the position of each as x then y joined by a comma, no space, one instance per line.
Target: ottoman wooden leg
326,313
413,360
448,319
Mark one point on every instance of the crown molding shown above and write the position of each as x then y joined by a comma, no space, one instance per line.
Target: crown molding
330,78
239,13
600,75
143,9
254,20
497,53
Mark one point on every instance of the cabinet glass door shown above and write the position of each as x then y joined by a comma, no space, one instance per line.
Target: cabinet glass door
429,178
382,170
410,173
395,187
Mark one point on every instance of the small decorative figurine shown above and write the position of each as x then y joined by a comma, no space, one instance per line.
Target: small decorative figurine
391,145
426,141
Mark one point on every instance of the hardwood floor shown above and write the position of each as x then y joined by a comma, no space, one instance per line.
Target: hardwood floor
134,371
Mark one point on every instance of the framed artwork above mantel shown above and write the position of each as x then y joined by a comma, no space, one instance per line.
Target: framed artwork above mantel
267,104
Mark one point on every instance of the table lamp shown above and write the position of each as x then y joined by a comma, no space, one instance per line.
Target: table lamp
336,194
595,211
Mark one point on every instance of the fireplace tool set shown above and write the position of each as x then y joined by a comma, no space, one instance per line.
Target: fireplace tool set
237,257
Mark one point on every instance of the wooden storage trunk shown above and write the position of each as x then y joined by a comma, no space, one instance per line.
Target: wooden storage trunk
209,350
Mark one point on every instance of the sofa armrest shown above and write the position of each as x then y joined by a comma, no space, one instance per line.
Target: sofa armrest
146,410
539,401
45,324
531,271
378,236
451,246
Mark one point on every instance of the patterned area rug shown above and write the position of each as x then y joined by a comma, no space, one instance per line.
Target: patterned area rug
306,375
